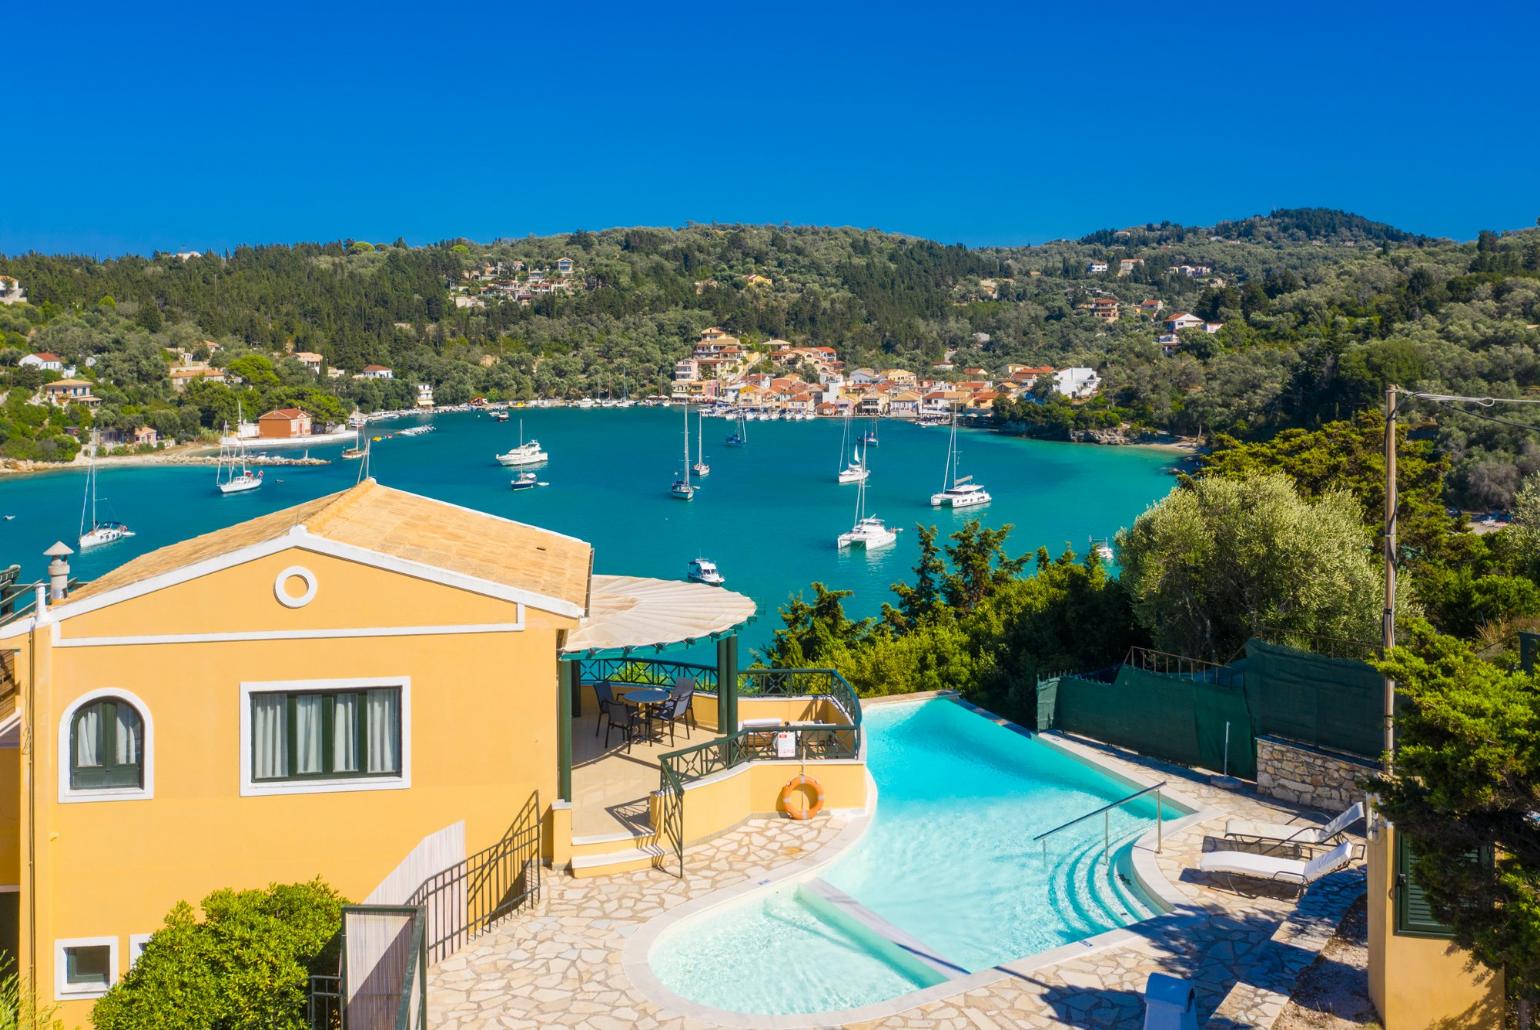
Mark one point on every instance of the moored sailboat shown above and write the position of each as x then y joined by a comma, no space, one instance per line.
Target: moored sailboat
681,488
97,532
226,478
856,471
702,470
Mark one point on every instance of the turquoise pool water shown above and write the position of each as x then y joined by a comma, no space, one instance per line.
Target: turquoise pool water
948,860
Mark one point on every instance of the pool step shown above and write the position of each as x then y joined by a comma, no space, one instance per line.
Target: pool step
839,909
621,860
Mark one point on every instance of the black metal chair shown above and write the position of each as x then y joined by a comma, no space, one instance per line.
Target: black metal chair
604,693
679,707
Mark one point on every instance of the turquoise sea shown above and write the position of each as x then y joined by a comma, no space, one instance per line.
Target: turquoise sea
768,514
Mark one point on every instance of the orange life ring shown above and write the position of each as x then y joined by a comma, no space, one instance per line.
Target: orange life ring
796,784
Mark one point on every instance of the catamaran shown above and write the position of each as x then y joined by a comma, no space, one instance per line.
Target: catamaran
99,532
704,570
525,454
682,488
226,478
957,491
856,471
869,531
702,470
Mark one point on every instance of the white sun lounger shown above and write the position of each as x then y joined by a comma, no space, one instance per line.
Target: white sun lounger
1294,833
1291,872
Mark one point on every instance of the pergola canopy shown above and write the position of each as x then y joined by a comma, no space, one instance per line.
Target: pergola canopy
626,613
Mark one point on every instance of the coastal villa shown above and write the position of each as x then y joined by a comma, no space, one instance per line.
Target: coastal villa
1096,267
425,395
283,424
395,694
864,377
62,392
45,360
900,376
375,372
905,404
686,369
1170,343
1179,320
11,291
1151,307
564,266
1126,266
311,360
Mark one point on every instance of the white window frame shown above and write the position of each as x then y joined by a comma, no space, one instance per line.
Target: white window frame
403,781
65,991
136,944
69,795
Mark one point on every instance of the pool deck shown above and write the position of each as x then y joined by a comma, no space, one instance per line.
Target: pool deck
566,965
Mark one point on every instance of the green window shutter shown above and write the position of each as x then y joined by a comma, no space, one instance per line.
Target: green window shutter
1414,916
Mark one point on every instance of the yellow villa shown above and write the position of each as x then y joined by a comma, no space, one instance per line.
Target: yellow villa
382,690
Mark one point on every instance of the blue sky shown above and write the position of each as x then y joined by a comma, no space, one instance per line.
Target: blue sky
142,127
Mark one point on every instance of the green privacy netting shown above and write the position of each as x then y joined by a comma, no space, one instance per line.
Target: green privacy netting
1326,702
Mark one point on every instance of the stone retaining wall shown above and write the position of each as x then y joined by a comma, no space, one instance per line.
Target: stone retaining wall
1327,780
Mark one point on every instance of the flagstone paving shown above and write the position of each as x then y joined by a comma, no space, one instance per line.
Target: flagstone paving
562,965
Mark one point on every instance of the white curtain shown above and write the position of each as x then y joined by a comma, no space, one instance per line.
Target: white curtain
382,730
344,733
269,750
308,709
128,735
88,726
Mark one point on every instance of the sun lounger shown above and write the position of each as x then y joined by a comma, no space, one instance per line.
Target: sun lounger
1294,833
1291,872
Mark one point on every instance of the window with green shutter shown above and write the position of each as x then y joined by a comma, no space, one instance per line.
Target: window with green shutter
1414,916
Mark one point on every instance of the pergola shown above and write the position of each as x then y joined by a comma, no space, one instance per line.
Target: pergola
628,615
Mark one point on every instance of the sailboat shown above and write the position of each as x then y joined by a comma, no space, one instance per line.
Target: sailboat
869,531
741,435
856,471
357,450
682,488
525,454
702,470
869,438
99,532
225,477
957,491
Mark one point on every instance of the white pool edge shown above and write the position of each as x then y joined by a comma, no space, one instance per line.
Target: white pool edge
1155,885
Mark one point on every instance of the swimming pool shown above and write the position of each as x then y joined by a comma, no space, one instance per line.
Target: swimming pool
946,881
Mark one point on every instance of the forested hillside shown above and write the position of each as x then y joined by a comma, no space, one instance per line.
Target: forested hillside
1319,310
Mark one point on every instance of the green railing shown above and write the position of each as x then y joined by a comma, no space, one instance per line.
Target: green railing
648,671
825,683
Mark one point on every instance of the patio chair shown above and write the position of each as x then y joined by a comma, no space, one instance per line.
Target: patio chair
1279,834
1289,872
604,693
679,707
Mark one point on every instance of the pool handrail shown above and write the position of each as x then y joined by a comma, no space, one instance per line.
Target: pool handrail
1106,812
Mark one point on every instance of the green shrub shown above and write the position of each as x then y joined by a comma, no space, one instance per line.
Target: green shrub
246,964
19,1009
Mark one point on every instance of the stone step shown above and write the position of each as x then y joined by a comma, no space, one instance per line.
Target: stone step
624,860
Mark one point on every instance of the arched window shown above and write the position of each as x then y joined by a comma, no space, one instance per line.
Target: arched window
106,745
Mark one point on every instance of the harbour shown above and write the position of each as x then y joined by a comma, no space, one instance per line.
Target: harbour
768,514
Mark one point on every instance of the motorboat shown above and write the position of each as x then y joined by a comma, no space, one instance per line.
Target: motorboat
525,454
704,570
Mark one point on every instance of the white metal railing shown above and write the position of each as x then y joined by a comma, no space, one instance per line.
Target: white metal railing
1106,813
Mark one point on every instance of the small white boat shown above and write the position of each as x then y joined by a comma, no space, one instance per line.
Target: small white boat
856,471
417,430
957,491
525,481
702,470
525,454
97,532
1103,551
226,478
869,438
704,570
681,488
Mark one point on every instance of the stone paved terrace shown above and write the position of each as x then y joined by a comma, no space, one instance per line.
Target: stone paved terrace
564,966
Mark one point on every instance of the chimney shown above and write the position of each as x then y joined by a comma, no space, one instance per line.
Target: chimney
58,570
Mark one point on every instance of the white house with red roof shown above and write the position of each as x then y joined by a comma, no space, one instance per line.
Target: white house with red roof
45,360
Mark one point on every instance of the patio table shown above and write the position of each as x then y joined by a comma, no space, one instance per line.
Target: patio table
645,699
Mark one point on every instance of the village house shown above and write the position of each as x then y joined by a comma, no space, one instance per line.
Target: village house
11,291
864,377
1212,327
755,279
1126,266
146,436
375,372
904,404
1179,320
776,346
1151,307
1076,382
686,369
62,392
425,395
1170,343
311,360
903,377
180,377
1096,267
283,424
564,266
1193,271
1104,308
45,360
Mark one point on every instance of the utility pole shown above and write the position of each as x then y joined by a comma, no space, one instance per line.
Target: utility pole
1388,624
